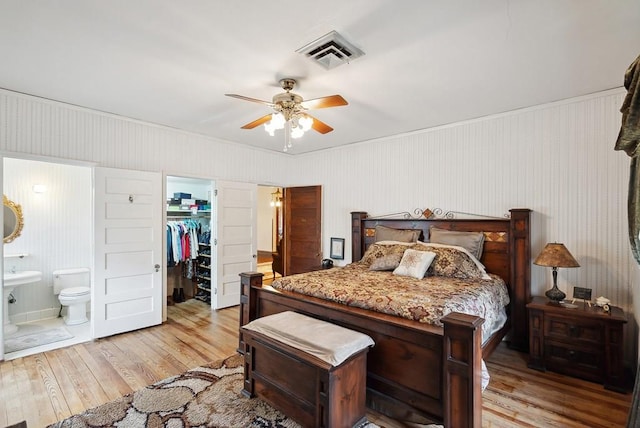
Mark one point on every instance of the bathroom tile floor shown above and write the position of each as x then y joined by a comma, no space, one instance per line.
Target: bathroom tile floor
81,333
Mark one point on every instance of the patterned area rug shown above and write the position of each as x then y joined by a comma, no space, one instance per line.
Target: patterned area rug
206,396
31,340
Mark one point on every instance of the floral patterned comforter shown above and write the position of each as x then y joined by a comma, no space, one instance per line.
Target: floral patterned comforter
425,300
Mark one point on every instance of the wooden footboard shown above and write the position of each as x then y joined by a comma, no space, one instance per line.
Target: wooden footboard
415,372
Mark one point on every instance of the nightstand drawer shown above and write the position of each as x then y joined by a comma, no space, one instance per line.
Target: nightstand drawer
574,330
582,361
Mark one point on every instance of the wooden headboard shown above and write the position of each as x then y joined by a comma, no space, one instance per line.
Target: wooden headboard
506,252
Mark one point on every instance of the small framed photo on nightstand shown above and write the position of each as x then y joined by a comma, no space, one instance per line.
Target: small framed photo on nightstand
580,293
337,248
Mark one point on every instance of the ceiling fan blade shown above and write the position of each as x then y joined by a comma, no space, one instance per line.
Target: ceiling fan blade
257,122
320,126
253,100
324,102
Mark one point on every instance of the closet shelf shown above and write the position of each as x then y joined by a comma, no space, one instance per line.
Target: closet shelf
188,214
203,287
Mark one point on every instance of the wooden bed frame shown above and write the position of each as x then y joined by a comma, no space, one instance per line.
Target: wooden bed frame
418,372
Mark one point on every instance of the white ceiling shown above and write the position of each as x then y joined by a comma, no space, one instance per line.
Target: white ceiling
426,62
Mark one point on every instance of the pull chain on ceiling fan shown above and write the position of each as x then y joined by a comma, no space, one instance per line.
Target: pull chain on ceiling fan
290,113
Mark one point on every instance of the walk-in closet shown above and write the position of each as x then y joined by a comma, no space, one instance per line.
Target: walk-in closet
211,235
190,259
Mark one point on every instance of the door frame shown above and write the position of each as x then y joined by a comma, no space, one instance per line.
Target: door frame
165,175
214,182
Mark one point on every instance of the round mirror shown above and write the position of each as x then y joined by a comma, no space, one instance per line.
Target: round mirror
13,220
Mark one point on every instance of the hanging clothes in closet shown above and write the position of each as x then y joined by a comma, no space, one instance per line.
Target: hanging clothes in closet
182,243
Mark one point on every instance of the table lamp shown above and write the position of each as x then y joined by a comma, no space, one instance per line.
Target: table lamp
555,255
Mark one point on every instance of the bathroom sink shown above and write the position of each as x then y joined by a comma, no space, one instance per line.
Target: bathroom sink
11,279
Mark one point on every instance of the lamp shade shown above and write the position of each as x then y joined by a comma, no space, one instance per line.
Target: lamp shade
556,255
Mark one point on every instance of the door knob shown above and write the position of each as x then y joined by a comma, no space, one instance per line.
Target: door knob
157,266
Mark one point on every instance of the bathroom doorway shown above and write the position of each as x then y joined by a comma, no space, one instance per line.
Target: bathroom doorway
55,200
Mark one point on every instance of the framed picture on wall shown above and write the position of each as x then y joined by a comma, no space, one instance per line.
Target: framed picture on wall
337,248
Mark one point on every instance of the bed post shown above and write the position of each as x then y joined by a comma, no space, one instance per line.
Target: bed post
247,304
462,370
520,272
357,235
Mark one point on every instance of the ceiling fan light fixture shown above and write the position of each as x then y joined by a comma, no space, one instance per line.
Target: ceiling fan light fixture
271,130
290,113
296,132
305,122
298,124
276,122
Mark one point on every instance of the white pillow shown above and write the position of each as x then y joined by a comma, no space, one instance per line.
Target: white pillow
414,263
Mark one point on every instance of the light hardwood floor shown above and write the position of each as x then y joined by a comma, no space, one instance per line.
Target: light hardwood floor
46,387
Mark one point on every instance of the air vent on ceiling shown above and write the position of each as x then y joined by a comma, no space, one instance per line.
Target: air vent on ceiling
331,50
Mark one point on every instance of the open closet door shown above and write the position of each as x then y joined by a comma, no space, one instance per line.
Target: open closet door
302,229
127,291
236,242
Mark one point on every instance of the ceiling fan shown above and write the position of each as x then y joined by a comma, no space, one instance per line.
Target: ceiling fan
290,112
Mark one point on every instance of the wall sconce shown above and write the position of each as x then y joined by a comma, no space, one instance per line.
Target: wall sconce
39,188
276,198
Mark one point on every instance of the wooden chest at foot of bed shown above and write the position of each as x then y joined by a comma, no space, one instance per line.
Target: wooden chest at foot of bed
307,389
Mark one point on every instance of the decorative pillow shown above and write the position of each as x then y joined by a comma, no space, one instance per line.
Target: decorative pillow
453,262
384,233
379,250
389,262
472,241
414,263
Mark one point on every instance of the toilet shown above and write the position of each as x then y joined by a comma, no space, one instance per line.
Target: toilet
73,287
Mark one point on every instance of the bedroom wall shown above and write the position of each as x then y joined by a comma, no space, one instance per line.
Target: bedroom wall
30,125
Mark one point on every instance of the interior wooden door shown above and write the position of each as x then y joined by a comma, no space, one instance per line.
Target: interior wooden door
302,229
127,293
236,242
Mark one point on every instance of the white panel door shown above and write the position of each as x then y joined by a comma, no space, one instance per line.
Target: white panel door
128,251
236,241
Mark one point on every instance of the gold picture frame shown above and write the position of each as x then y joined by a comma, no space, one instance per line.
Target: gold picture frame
13,220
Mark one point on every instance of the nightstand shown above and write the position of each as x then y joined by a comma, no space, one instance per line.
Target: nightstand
584,342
